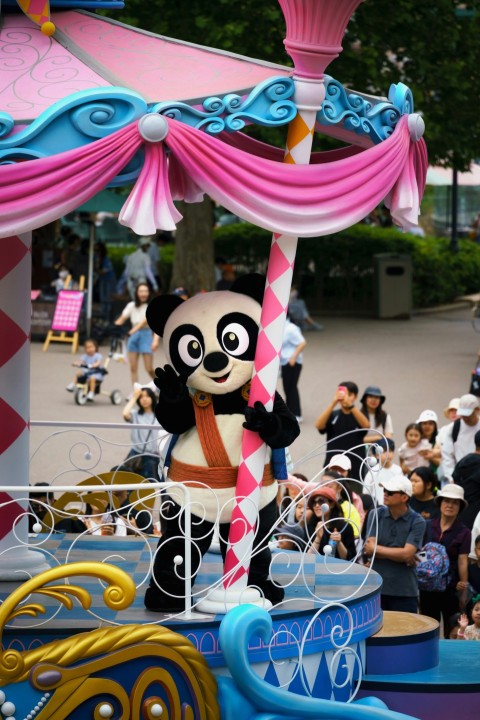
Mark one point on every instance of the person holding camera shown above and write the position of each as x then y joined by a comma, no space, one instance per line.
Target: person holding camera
345,427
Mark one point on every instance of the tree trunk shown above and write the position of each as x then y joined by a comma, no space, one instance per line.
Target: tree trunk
193,267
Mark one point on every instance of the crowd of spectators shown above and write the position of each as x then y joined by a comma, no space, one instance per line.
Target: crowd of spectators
386,514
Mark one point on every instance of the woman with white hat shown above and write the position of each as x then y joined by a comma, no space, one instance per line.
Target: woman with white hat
428,423
450,532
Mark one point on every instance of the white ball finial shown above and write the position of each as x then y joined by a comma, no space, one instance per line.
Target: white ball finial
325,507
8,709
416,126
177,560
105,710
327,550
156,710
37,528
153,127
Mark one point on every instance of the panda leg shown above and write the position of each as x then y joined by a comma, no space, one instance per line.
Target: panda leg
166,592
262,556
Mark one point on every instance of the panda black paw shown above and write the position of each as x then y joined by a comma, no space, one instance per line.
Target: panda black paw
172,386
260,420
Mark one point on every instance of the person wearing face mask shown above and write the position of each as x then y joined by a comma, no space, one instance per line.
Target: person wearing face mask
59,282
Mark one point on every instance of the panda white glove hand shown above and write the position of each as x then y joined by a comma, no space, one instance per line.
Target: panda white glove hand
172,386
259,420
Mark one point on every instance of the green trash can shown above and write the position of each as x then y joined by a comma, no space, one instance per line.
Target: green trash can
393,286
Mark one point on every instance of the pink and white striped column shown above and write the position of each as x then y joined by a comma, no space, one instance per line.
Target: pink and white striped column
17,562
315,30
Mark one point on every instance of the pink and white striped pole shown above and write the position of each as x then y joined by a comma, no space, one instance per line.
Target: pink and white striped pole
17,562
315,30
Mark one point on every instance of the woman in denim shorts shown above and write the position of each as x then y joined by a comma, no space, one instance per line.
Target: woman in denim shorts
141,340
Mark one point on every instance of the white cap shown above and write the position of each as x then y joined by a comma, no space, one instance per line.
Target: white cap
428,416
341,461
398,483
468,403
144,240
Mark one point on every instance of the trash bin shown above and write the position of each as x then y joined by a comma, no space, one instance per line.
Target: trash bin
393,285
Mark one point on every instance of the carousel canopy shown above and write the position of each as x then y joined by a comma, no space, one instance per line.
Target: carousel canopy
88,51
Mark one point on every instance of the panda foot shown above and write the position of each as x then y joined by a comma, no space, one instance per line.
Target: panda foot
157,601
272,592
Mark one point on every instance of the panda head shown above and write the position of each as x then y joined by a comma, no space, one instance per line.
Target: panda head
212,337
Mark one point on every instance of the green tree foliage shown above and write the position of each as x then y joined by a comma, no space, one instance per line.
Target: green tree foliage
430,45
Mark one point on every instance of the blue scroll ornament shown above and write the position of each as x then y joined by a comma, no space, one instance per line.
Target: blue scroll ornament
268,104
364,115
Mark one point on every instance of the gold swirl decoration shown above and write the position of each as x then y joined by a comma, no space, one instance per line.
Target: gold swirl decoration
49,667
118,595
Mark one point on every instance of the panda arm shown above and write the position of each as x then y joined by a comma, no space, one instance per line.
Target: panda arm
288,428
174,410
278,428
176,416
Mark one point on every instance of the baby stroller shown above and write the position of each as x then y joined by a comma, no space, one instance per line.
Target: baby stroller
81,387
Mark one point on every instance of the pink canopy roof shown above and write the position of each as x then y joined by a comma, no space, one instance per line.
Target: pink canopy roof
89,51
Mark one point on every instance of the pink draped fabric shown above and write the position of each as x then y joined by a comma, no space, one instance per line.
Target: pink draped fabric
303,201
260,149
37,192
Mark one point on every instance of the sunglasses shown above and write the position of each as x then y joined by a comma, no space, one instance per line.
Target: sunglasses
392,492
320,501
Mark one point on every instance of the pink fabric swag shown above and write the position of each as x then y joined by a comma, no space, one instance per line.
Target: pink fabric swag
299,200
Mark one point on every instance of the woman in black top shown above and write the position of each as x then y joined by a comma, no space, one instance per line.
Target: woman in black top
329,526
424,482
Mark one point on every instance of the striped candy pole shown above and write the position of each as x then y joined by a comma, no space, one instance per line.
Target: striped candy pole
314,33
39,12
15,314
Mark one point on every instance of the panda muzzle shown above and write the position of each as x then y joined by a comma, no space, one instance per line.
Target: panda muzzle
215,362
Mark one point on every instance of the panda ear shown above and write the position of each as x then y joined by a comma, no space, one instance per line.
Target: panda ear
252,285
160,309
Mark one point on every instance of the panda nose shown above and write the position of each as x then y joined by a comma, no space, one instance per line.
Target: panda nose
215,361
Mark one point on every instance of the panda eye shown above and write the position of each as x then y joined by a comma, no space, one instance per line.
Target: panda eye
190,350
235,339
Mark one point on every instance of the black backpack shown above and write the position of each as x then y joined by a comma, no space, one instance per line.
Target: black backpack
456,429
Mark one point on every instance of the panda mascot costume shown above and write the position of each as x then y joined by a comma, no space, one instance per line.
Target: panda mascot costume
209,341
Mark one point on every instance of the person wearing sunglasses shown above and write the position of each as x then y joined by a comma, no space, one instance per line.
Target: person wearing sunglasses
328,526
392,544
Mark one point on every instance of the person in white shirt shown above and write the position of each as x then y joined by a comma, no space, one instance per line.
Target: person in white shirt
383,469
291,361
459,441
450,413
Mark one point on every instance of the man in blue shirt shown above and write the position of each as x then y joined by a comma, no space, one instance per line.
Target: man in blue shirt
399,537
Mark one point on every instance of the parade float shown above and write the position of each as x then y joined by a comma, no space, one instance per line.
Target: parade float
85,103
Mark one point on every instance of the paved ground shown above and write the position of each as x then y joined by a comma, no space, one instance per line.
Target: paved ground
419,363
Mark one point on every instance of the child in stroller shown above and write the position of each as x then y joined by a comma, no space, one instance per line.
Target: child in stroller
88,380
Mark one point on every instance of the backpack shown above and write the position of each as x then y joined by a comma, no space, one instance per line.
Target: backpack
455,429
432,570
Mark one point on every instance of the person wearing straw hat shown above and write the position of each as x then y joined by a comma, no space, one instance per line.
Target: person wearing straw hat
449,531
460,441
